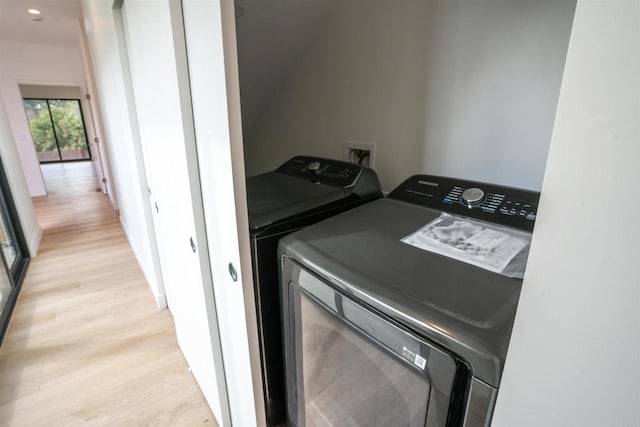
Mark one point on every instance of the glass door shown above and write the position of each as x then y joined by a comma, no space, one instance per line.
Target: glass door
8,240
6,289
57,129
11,250
348,365
13,256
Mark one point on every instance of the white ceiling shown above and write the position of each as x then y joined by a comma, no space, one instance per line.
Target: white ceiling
59,27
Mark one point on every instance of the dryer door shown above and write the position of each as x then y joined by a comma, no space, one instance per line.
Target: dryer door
347,365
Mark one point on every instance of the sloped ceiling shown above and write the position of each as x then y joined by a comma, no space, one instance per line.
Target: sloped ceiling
271,37
59,25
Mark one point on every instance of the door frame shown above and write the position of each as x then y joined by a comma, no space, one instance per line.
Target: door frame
28,159
18,272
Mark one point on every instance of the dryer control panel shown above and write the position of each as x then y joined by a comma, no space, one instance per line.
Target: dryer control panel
330,172
508,206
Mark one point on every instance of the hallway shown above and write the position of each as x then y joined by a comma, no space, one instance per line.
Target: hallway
86,344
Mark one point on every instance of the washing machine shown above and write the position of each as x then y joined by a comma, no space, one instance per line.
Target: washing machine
400,312
303,191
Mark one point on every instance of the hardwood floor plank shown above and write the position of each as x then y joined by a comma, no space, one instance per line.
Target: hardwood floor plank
86,344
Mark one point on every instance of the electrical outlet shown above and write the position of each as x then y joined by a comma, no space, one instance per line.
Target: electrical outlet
362,153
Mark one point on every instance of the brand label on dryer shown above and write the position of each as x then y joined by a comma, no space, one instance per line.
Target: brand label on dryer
414,358
420,361
429,183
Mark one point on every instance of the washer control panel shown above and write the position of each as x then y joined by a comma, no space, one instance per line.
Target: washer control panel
489,202
330,172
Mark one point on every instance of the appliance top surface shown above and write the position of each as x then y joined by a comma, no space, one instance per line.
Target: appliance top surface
463,307
272,197
366,243
299,186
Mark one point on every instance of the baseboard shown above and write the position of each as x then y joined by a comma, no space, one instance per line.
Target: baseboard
161,302
160,298
34,243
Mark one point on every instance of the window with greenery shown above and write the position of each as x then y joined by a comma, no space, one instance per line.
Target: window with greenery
57,128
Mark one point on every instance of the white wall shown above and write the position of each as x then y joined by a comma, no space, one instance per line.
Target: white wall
360,78
575,347
448,87
43,91
272,36
492,84
18,184
128,172
34,64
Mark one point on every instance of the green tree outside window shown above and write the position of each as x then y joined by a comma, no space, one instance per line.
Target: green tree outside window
67,122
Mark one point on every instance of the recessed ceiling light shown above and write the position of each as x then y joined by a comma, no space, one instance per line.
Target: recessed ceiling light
34,11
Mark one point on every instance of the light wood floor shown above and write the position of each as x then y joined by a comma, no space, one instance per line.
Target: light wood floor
87,345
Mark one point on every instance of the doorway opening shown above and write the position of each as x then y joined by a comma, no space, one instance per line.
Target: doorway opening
57,129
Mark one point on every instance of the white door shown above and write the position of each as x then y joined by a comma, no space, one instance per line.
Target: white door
94,142
93,126
211,51
160,90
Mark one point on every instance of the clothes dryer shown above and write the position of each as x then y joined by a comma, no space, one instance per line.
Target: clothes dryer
400,312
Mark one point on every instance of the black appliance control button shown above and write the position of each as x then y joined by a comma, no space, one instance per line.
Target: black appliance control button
313,166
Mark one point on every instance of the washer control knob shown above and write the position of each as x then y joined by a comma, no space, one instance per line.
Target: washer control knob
472,197
313,166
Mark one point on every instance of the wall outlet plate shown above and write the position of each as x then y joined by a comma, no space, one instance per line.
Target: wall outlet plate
360,152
